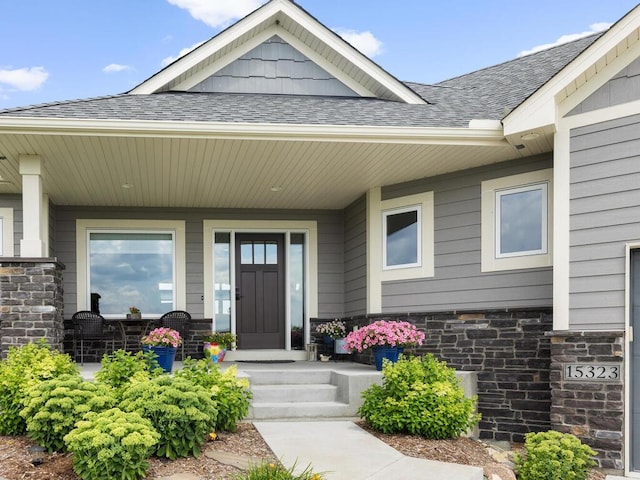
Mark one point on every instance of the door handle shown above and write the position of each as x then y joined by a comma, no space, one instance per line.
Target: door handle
238,296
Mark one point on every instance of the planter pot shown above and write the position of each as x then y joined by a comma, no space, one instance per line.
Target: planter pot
328,341
134,316
390,353
214,351
341,346
164,355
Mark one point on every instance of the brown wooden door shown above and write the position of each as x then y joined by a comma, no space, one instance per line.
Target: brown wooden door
260,312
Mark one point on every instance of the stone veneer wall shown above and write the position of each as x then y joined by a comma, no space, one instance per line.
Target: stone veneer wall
508,349
592,411
32,303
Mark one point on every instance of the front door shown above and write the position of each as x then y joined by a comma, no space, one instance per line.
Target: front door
260,290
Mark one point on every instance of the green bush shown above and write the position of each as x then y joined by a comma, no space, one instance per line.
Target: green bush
554,456
275,471
119,368
52,408
420,396
231,394
182,412
25,367
111,444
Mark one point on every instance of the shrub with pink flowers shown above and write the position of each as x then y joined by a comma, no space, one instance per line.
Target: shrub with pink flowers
385,334
162,337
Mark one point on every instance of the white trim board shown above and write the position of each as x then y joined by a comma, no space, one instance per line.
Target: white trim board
6,215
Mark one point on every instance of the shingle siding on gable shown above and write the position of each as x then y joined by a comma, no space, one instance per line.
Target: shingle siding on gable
623,88
458,282
274,67
605,215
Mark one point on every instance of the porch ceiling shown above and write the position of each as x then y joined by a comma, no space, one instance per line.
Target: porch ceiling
206,171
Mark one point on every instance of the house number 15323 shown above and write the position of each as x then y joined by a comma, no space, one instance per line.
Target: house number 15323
592,372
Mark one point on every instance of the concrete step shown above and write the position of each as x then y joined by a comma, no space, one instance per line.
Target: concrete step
294,393
301,410
265,355
288,377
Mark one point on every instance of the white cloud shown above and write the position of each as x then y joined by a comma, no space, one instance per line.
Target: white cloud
25,79
594,28
115,67
166,61
366,42
218,13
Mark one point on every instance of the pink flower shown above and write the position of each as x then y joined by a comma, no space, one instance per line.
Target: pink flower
162,337
385,333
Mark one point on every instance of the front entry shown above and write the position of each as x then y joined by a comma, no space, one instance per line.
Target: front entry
260,290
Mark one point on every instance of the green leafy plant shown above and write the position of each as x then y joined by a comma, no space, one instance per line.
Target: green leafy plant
119,368
554,456
182,412
420,396
275,471
112,444
231,393
25,367
221,338
52,408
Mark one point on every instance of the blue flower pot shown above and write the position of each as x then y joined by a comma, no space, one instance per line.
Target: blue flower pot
164,355
390,353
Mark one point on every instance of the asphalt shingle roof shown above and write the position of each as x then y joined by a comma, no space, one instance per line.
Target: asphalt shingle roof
489,93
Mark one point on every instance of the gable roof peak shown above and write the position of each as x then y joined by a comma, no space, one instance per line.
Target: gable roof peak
300,29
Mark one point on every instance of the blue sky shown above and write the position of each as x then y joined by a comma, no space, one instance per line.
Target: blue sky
64,49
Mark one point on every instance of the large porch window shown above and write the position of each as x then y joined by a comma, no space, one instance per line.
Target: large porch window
125,263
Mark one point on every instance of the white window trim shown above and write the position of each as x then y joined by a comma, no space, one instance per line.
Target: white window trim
84,226
544,187
6,215
490,261
310,228
396,211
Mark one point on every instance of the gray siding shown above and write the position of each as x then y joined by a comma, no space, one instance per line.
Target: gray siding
330,249
355,257
623,88
15,202
458,282
605,215
274,67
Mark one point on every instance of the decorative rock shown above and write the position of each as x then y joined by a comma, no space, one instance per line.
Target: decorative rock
242,462
499,472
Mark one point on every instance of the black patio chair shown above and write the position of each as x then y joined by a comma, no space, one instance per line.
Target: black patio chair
89,325
177,320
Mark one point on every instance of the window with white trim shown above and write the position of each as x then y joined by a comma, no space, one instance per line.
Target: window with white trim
516,220
131,263
6,232
401,238
407,237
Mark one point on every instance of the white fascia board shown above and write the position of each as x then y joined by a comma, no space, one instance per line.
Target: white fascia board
353,55
539,110
190,60
253,131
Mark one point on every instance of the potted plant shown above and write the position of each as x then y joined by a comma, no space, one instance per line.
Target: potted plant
216,345
387,339
134,313
333,332
164,343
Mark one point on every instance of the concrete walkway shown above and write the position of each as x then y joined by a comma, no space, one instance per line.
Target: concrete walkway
344,451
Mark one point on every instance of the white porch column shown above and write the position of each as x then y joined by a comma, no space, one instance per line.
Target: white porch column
561,231
32,244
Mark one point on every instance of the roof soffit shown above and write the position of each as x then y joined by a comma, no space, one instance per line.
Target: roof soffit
303,32
602,60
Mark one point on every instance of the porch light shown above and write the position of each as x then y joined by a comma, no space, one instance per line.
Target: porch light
529,136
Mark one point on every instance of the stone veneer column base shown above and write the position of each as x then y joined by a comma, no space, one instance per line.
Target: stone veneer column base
32,302
592,411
